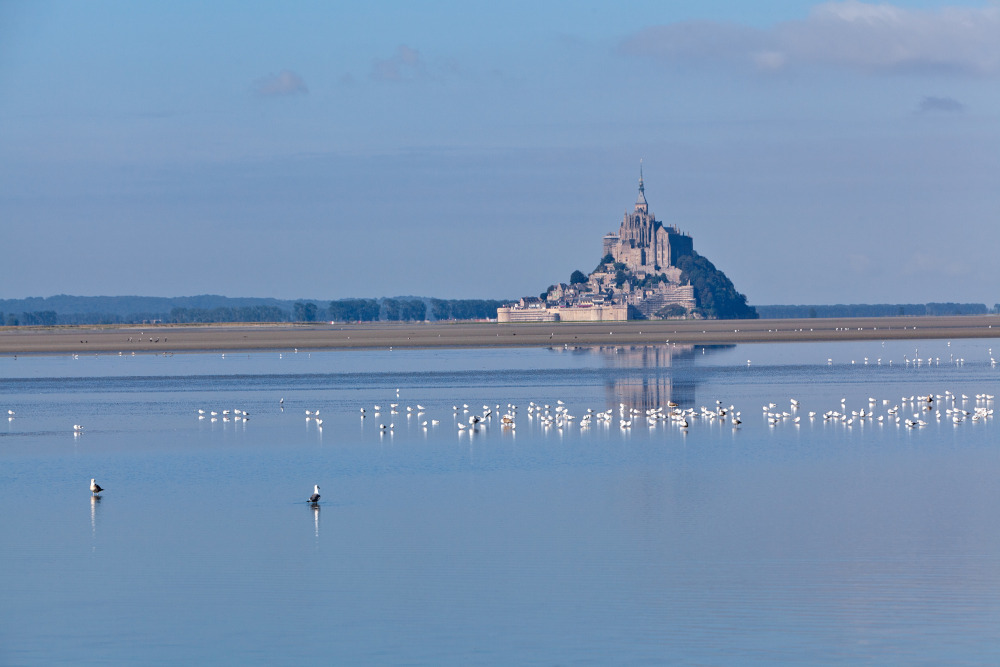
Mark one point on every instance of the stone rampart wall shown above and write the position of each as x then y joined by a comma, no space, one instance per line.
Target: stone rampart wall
563,314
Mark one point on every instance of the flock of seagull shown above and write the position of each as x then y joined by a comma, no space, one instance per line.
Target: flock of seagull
557,416
946,406
910,411
234,414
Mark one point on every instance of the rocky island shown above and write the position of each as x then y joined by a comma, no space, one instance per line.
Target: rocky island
649,270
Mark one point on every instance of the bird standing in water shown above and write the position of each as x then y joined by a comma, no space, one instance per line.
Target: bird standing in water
95,488
314,498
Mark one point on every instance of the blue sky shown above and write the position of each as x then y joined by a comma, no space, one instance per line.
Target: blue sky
840,152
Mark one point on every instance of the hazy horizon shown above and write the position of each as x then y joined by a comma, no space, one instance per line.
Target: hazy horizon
468,150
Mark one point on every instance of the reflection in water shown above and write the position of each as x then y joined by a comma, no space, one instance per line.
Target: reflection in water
656,389
315,509
95,501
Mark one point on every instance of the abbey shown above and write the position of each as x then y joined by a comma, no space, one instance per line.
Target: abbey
644,244
637,277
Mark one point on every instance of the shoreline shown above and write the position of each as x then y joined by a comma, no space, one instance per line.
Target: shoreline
266,337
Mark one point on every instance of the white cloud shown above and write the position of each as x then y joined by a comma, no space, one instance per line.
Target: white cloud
404,64
851,34
284,82
924,264
946,104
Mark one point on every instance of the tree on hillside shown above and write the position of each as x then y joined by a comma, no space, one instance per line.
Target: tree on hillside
715,293
671,310
577,277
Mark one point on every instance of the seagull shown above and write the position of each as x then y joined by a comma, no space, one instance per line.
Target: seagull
77,428
95,488
314,498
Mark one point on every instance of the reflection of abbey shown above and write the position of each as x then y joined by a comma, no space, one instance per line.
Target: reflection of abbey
638,274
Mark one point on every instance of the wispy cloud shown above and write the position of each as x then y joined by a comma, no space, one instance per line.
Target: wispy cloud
851,34
283,83
924,264
946,104
403,65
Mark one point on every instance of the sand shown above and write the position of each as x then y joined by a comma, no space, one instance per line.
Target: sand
235,337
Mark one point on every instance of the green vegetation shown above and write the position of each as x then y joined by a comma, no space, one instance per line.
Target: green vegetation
205,309
874,310
717,297
45,318
223,314
577,277
671,310
650,280
404,310
304,312
354,310
465,309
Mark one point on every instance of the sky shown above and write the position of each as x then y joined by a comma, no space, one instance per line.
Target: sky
832,152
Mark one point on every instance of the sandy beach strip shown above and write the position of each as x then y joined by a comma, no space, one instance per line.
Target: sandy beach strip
250,337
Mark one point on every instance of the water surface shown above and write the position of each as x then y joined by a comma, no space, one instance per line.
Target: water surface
820,542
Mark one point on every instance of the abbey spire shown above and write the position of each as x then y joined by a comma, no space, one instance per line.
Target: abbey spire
640,203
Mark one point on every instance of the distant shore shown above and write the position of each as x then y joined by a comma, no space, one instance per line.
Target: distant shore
383,335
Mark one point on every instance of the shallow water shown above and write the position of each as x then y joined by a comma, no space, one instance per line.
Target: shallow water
811,543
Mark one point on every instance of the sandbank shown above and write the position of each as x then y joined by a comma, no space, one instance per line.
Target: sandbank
261,337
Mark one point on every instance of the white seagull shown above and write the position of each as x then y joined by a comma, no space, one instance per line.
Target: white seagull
95,488
314,498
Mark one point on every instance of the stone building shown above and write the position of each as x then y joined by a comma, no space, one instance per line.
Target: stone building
644,244
641,277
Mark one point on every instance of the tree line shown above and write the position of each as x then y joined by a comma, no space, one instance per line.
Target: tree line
875,310
341,310
716,297
412,310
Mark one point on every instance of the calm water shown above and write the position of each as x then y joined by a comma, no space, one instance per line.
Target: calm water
820,542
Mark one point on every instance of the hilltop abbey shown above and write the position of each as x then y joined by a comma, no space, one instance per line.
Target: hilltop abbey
643,244
637,277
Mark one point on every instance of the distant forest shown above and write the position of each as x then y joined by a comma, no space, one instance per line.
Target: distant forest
63,309
55,310
875,310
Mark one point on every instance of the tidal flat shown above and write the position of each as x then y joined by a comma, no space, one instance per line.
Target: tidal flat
235,337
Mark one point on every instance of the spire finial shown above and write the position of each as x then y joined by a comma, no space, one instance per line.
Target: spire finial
640,202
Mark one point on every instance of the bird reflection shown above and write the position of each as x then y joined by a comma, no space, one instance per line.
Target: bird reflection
94,502
315,509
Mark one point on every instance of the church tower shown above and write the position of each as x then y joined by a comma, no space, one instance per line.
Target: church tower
640,203
643,243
